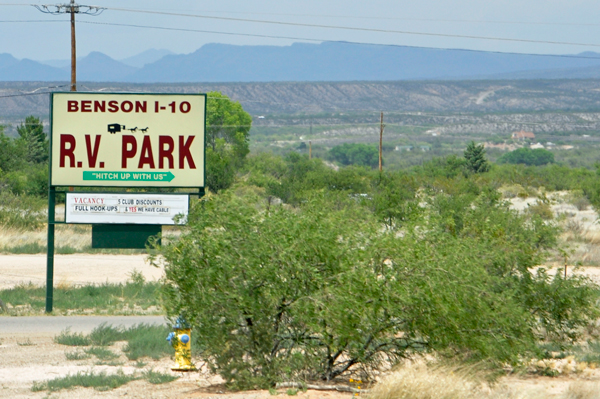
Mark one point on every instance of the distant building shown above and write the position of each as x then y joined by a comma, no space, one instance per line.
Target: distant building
536,146
403,148
425,148
522,135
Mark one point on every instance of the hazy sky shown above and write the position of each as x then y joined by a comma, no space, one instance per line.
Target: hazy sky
541,20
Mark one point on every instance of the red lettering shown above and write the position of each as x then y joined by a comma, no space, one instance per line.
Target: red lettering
113,106
67,152
146,157
165,152
86,106
185,107
72,106
140,106
92,152
184,152
99,106
156,106
128,153
126,106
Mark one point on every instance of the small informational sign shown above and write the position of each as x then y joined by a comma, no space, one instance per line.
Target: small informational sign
158,209
127,140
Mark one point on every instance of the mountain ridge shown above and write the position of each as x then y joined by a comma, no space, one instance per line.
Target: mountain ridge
306,62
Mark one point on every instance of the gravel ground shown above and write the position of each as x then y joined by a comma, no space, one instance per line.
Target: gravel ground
77,269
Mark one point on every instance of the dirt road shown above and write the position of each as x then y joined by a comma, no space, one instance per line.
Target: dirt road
76,269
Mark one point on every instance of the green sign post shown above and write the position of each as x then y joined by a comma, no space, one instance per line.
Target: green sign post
128,141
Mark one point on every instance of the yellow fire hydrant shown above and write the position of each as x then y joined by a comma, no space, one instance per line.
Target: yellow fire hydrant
181,340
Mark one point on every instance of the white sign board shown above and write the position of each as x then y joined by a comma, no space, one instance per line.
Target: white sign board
125,208
127,140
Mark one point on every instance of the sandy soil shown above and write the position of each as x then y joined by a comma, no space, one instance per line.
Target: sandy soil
84,269
25,360
35,358
76,269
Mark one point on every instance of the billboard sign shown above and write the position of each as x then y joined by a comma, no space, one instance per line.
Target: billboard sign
127,140
158,209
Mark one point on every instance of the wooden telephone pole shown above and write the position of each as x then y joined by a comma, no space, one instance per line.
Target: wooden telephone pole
381,126
73,50
71,8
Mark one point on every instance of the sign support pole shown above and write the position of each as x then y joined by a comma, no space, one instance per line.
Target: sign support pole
50,249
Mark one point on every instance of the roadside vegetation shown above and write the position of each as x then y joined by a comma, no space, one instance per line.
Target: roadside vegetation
142,341
135,297
322,274
112,346
297,268
101,381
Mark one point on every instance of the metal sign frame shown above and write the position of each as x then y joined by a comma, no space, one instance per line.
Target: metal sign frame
52,190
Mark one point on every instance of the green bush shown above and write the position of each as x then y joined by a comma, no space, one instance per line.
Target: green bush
355,154
541,209
66,337
279,293
21,212
527,156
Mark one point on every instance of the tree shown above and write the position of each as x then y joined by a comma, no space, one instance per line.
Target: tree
527,156
31,134
355,154
12,153
475,158
227,130
313,292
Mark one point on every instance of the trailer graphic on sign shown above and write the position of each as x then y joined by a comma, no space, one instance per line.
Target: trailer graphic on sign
86,151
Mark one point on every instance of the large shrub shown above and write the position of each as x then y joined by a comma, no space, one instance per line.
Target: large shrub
527,156
313,292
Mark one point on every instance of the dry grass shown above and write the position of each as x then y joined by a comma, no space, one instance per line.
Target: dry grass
422,382
582,390
69,237
77,237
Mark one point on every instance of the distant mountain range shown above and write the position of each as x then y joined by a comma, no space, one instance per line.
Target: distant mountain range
298,62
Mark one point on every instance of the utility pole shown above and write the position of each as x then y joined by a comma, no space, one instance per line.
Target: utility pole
310,150
381,126
73,50
70,8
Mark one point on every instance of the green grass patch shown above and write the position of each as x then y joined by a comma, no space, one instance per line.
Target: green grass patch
588,353
21,212
109,298
66,337
143,340
105,335
155,377
37,248
77,355
101,353
99,381
29,248
147,341
585,352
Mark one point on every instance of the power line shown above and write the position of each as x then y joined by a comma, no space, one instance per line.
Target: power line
34,20
378,18
355,28
409,19
336,41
